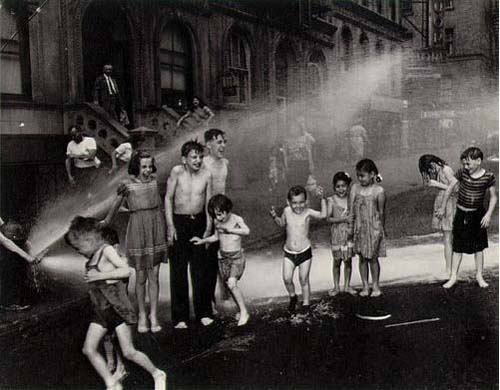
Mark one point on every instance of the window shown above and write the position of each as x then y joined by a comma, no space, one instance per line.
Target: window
448,40
316,73
448,4
14,56
364,42
236,81
379,6
346,37
175,65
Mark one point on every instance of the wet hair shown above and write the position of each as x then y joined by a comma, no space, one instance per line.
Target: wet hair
14,232
367,165
219,202
472,153
191,105
110,235
296,191
341,176
191,145
424,163
212,134
81,226
134,166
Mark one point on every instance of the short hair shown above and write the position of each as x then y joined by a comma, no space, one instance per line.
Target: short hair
341,176
472,153
80,226
212,134
15,232
219,202
191,145
295,191
424,163
110,235
134,166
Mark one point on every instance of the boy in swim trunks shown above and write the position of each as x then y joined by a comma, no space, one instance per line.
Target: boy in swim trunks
229,228
296,218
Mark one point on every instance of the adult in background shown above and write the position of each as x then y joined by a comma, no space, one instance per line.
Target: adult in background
106,93
81,152
123,152
197,110
297,154
357,138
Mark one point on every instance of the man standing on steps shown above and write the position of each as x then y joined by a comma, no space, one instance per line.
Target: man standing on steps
106,93
215,162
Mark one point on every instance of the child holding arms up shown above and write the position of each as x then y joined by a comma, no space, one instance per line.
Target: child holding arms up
229,228
436,173
341,238
367,210
296,218
471,220
105,271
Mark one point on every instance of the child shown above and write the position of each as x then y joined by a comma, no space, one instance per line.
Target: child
470,222
189,188
436,173
105,271
367,210
296,218
341,240
145,239
229,228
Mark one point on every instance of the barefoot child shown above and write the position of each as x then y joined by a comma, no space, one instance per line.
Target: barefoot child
229,228
105,271
367,210
146,246
437,174
296,218
471,220
341,240
189,187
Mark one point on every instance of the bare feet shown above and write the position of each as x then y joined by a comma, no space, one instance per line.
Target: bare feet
351,290
155,326
364,292
181,325
121,373
237,316
160,378
142,324
205,321
450,283
244,317
376,292
293,303
333,292
482,283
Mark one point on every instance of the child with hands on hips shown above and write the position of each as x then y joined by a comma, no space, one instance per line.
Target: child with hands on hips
229,229
296,219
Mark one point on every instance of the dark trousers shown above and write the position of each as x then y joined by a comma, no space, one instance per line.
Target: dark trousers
184,253
213,268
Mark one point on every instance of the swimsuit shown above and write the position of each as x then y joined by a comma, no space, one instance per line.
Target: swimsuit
231,264
297,258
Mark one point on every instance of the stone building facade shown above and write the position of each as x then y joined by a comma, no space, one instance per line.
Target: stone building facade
235,55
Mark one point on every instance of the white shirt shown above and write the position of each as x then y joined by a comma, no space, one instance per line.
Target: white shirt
82,149
124,151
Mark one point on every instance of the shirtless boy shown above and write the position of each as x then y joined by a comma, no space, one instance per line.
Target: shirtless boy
215,162
229,228
296,218
186,200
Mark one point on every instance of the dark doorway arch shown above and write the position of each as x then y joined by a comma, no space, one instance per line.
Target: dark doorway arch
106,39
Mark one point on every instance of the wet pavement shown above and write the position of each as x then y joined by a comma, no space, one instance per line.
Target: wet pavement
434,338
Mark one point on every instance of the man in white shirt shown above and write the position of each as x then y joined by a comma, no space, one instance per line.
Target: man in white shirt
81,152
106,93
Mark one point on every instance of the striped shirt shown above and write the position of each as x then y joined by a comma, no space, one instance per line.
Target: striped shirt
471,191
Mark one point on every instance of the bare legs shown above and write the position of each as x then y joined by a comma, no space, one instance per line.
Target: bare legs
150,276
347,277
456,260
367,266
232,284
288,271
447,251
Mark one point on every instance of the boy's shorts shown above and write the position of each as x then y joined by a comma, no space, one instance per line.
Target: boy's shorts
468,235
231,264
298,258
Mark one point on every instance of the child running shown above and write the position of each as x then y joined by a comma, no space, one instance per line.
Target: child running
471,220
296,218
341,238
105,271
146,237
367,210
229,228
437,174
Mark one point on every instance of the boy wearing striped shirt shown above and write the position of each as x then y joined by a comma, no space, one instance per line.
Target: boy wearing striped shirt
471,220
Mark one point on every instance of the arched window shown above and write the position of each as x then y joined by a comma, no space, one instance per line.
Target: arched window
316,73
364,42
14,55
346,37
236,82
175,65
379,47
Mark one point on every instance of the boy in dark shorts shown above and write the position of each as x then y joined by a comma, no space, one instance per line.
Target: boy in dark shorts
229,228
471,220
296,218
